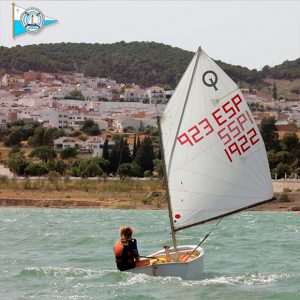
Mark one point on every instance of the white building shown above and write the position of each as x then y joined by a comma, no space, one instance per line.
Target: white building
95,145
76,120
8,80
121,122
102,124
93,82
156,95
54,117
132,95
67,142
33,101
3,118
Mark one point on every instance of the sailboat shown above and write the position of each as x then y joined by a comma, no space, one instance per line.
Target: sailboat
214,160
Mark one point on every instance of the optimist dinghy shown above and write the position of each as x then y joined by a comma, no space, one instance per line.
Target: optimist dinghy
214,160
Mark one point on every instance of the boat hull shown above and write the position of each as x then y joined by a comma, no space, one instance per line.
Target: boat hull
188,270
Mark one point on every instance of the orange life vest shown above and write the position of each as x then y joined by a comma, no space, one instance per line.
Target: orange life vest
123,253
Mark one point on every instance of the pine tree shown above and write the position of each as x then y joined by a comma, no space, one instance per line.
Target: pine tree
274,91
105,153
120,154
145,155
138,144
134,148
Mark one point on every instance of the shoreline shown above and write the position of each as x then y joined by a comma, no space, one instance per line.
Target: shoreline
126,195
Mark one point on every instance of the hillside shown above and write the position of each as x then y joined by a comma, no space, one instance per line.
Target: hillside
143,63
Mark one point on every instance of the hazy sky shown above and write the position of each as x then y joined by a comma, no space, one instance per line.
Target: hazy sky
248,33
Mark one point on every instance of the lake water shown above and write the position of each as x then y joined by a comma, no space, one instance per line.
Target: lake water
67,254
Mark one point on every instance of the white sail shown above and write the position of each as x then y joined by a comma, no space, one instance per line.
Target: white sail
215,157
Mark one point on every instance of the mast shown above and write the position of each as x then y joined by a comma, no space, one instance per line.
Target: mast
13,19
166,185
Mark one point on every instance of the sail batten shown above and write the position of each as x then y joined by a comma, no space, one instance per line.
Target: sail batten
214,154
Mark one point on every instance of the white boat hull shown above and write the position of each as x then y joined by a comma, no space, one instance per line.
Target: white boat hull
189,270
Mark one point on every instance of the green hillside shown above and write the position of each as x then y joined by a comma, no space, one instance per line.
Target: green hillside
143,63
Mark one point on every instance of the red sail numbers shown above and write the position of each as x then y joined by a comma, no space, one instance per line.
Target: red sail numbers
230,124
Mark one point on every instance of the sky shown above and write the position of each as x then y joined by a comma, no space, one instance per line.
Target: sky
247,33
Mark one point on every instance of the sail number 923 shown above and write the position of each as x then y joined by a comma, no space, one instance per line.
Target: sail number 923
234,127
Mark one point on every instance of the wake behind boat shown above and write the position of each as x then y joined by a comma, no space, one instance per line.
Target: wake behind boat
214,160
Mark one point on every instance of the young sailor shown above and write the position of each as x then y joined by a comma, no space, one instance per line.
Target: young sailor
126,251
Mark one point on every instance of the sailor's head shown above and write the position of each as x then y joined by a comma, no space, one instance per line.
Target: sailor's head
125,232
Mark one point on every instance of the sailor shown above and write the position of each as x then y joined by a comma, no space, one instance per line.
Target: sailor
126,251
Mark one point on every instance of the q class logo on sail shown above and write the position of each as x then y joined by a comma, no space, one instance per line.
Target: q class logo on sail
32,19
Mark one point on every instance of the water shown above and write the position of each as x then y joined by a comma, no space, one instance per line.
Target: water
67,254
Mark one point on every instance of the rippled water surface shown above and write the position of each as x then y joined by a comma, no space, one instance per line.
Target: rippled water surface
67,254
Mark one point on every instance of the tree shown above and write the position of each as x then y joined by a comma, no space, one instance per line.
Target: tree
268,130
14,138
44,153
282,169
68,152
17,163
134,148
95,130
277,157
75,94
45,136
92,170
102,163
38,137
290,142
138,144
119,154
34,169
144,156
136,170
124,170
87,167
60,167
274,91
90,127
158,167
105,153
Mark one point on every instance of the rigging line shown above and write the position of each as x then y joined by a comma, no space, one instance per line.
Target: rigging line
204,239
184,106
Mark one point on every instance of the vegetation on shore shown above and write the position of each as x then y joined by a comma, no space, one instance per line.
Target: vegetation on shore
143,63
284,154
143,161
46,192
